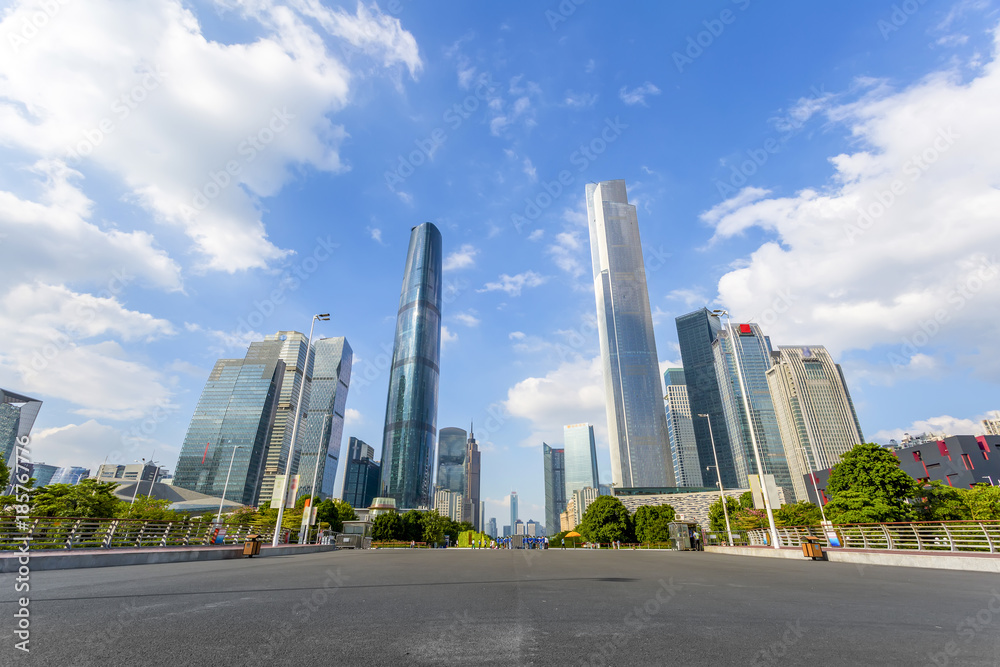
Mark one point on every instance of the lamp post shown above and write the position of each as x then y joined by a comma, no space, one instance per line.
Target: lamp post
226,487
718,474
153,481
295,427
312,495
138,481
753,431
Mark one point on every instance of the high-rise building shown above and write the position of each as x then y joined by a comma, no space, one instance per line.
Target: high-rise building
42,474
411,406
816,415
680,427
518,528
448,503
753,351
473,463
580,457
69,475
17,416
513,508
236,409
298,370
491,527
554,461
320,435
533,528
637,424
695,333
452,448
992,426
361,476
583,498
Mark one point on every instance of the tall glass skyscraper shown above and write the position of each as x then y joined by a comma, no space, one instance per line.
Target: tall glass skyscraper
754,352
17,416
580,457
452,446
472,506
815,412
695,333
637,423
236,408
320,435
361,478
555,486
683,446
411,406
513,511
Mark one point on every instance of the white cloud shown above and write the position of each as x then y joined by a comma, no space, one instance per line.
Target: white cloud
567,253
447,336
580,100
570,394
463,258
516,335
468,319
89,443
353,417
536,235
690,297
376,234
638,95
513,285
899,248
944,425
529,169
136,90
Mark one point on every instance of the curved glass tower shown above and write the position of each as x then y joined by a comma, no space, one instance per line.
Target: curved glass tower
411,406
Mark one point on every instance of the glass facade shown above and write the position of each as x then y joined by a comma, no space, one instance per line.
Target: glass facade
411,406
754,352
17,416
580,456
695,334
555,486
680,427
322,429
69,475
451,459
513,508
236,408
472,507
361,478
815,412
637,423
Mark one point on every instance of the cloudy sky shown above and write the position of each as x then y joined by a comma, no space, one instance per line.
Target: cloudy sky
180,178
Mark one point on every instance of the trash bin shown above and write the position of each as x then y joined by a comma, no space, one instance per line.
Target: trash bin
251,547
811,548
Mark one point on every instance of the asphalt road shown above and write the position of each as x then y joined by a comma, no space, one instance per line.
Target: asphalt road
398,607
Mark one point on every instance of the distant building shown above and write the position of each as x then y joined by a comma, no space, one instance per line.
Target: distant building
992,426
361,476
680,428
472,506
582,499
491,528
580,457
534,529
816,415
69,475
519,528
506,531
42,474
568,520
513,508
130,472
452,445
448,503
554,463
690,504
17,416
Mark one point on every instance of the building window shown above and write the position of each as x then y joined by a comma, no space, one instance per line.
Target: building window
967,460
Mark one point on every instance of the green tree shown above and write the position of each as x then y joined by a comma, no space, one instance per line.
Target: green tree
413,527
434,526
876,485
717,518
746,500
388,526
983,502
147,509
4,474
607,520
335,512
802,513
940,502
242,516
88,499
652,523
748,518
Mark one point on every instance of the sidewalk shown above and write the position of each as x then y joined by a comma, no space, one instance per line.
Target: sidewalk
940,560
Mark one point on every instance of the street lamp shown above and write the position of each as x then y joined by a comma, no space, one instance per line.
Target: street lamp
753,431
718,474
138,481
225,489
153,481
324,317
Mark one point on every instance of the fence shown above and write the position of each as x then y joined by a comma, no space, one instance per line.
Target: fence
958,536
76,533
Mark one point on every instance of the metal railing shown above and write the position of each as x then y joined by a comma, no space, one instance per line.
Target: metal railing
76,533
952,536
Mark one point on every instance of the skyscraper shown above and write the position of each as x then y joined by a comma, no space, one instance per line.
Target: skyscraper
452,450
472,504
753,351
683,446
411,406
17,416
513,508
992,426
695,333
554,461
321,433
491,527
362,474
580,456
815,412
637,424
236,408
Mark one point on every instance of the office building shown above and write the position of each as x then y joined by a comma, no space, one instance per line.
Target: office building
452,448
696,332
448,503
554,462
580,457
816,415
519,528
637,425
411,407
69,475
41,473
680,428
473,464
513,507
753,351
491,527
231,425
321,433
534,529
506,531
583,498
992,426
130,472
362,474
17,416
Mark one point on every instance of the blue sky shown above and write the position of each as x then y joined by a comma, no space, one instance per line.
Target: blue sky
181,178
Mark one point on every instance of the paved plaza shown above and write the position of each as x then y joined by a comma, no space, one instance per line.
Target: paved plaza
398,607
